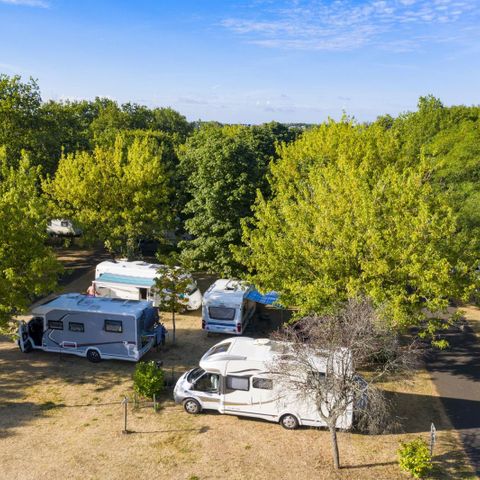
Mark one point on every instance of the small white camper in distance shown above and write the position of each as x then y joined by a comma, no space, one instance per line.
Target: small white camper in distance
136,281
226,308
235,377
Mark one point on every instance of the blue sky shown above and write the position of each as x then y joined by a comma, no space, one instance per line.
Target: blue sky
248,60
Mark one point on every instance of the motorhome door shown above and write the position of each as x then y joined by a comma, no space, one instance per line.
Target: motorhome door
206,389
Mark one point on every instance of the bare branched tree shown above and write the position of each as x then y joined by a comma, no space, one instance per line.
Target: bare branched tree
354,339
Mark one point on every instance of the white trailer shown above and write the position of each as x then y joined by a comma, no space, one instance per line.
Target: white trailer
62,227
95,328
235,377
226,307
136,281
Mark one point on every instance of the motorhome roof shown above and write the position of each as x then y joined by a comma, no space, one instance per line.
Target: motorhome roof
132,269
83,303
226,291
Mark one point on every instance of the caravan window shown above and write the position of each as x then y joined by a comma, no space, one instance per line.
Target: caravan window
76,327
221,313
55,324
114,326
262,383
238,383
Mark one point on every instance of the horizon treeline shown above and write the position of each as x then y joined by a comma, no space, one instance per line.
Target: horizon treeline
388,209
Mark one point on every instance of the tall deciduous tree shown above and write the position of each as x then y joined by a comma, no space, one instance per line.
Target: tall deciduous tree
347,217
28,268
223,168
116,194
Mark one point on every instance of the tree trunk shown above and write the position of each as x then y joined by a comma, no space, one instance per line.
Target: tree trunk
173,321
336,456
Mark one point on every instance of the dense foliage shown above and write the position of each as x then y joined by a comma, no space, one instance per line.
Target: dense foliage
414,458
148,379
27,267
390,210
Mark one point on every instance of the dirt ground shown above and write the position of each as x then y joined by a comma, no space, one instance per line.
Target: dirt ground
61,416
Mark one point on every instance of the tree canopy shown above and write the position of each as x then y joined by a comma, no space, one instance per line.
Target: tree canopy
348,218
118,194
28,267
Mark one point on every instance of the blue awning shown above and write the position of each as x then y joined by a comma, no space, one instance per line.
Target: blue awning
268,299
125,280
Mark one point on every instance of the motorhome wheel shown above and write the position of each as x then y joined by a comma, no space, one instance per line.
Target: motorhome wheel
191,406
93,356
289,422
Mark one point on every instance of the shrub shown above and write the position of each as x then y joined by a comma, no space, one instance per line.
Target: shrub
148,379
414,457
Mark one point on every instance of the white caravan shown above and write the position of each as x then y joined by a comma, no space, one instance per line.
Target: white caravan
234,377
226,307
96,328
61,227
136,281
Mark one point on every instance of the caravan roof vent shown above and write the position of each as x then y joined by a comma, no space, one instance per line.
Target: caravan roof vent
262,341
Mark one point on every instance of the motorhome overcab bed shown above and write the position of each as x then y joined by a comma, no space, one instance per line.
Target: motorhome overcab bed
136,281
234,377
92,327
226,308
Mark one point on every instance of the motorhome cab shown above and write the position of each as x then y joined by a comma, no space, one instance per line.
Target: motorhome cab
234,378
136,281
226,307
92,327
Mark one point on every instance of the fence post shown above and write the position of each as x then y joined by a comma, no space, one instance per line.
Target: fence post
154,402
125,403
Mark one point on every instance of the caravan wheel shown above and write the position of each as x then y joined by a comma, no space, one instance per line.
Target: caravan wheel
192,406
93,356
289,421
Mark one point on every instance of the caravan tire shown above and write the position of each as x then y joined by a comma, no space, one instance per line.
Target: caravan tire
288,421
93,356
192,406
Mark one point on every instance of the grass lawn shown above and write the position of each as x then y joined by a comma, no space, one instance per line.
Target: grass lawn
60,417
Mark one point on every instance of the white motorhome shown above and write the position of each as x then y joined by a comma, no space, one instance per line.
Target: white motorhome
226,307
95,328
234,377
136,281
62,227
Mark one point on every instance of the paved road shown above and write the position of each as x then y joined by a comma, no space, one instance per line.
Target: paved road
456,373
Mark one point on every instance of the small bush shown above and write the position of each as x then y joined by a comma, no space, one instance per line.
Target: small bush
414,457
148,379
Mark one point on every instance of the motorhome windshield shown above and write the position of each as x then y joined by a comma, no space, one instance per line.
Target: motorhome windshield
191,289
221,313
195,374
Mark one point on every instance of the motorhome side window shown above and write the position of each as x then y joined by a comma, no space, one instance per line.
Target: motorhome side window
238,383
221,313
262,383
65,223
76,327
114,326
55,324
207,383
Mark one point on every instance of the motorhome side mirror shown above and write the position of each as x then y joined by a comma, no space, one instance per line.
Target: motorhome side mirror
159,363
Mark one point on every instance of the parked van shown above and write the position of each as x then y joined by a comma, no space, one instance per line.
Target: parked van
226,307
136,281
92,327
61,227
234,377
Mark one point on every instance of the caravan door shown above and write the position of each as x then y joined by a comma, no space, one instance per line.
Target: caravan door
238,399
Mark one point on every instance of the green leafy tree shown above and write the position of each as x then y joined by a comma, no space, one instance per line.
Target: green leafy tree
27,267
117,194
223,167
348,218
172,282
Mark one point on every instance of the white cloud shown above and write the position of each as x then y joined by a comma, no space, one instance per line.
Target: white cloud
27,3
348,24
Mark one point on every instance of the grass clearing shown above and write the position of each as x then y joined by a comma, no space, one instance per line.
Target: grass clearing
60,413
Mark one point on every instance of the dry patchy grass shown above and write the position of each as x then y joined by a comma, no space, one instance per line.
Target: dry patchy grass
62,414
